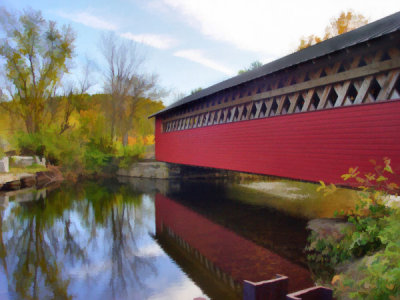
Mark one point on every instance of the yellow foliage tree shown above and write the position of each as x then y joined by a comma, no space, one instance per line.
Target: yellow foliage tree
35,55
346,22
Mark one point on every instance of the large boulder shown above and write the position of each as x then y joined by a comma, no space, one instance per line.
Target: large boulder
330,228
40,161
26,161
22,161
4,165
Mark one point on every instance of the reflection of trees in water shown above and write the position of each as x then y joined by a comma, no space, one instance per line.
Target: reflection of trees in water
3,249
121,212
33,247
40,240
72,249
127,265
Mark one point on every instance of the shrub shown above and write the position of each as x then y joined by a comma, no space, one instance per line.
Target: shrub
129,154
64,150
98,155
376,236
380,273
76,155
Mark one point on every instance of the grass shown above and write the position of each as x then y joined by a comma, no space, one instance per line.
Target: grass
30,169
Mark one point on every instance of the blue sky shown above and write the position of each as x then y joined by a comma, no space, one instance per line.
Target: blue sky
197,43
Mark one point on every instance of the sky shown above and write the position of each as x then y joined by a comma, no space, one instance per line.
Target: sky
195,43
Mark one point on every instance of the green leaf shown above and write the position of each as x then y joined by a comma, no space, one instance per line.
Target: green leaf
381,178
388,168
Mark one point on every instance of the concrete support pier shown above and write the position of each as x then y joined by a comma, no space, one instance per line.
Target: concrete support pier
162,170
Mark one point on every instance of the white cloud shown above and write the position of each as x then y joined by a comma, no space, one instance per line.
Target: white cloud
153,40
183,289
90,20
93,269
269,27
198,57
152,250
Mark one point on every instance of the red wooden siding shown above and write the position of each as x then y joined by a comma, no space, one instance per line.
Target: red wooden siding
233,254
313,146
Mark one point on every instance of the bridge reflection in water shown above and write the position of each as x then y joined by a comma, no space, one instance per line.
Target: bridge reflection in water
220,243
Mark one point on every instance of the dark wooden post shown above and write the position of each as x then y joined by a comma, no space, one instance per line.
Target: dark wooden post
314,293
274,289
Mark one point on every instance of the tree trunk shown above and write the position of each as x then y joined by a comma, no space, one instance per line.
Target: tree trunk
125,139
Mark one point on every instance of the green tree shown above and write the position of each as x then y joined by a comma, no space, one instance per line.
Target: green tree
254,65
194,91
36,55
142,125
347,21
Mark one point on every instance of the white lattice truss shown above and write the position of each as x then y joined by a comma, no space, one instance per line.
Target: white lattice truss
359,76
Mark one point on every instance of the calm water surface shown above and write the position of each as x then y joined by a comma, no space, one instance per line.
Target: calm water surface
144,239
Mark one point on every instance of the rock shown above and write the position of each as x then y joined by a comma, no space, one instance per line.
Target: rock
158,170
334,228
26,161
52,175
41,162
4,165
4,178
28,181
22,161
12,185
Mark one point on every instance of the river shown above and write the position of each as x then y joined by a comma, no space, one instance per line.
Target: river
148,239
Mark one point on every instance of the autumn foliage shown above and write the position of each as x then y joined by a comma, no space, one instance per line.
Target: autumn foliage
346,22
43,114
370,243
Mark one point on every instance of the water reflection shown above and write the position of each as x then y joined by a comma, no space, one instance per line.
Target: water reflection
76,239
143,239
231,240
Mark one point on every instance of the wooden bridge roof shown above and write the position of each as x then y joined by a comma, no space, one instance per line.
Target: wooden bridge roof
360,35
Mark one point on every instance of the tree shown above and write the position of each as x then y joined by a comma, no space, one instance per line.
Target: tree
75,97
36,55
254,65
194,91
125,84
347,21
144,108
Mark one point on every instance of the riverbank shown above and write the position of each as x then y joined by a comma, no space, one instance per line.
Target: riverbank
16,181
358,256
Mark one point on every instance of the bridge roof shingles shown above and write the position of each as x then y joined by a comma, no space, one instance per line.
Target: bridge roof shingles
360,35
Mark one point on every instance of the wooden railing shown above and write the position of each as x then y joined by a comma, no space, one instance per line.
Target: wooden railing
366,74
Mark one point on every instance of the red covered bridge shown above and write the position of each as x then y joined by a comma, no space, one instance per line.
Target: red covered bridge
309,115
